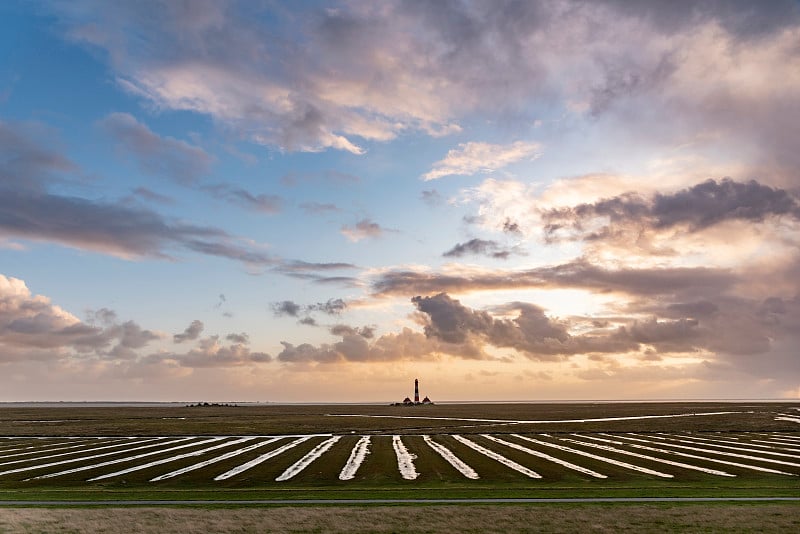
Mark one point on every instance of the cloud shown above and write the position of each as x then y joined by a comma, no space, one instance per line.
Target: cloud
286,307
31,326
365,228
479,246
152,196
210,352
161,156
685,281
331,307
473,158
695,208
316,208
261,203
431,197
405,345
27,163
191,333
531,332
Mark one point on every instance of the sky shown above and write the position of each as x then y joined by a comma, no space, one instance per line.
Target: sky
321,201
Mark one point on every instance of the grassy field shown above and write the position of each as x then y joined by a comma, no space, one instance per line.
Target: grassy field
64,434
72,420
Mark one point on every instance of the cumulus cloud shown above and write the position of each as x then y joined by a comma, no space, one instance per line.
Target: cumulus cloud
531,332
211,352
30,323
164,156
363,229
473,158
191,333
355,347
286,307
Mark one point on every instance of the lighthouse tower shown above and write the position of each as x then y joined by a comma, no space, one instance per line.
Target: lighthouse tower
416,391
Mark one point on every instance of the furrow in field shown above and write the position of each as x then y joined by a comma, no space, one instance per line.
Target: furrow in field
794,440
540,454
720,445
704,458
306,460
172,459
61,454
498,457
451,458
405,460
357,456
651,458
670,443
618,463
264,457
126,459
214,460
93,456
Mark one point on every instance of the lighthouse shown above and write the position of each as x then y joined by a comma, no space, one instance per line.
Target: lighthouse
416,391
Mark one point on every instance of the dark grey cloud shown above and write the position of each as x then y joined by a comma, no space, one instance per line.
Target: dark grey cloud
330,307
689,281
367,332
531,332
191,333
240,338
154,154
482,247
320,273
694,208
511,227
286,307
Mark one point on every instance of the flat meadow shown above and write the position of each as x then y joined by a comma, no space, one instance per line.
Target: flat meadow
288,453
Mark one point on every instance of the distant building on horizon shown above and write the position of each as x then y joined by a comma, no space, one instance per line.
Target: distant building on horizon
416,402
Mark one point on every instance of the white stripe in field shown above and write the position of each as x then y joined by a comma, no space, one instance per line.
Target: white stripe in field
266,456
306,460
70,453
405,460
451,458
171,459
357,455
126,458
718,444
790,418
670,443
533,452
782,439
704,458
780,445
612,461
651,458
790,437
211,461
498,457
542,421
93,456
37,449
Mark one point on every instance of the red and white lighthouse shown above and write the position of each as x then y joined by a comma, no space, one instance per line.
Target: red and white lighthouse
416,391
